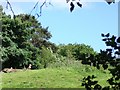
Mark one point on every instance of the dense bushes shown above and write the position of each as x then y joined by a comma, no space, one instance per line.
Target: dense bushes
77,51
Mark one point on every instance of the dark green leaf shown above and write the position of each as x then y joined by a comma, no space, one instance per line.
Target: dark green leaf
107,35
102,35
78,3
105,66
118,40
72,6
104,39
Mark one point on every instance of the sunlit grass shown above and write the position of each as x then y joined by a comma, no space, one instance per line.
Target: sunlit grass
62,77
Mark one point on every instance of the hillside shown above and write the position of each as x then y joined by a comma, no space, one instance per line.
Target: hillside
70,77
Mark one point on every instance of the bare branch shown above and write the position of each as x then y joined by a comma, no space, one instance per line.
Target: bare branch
42,7
8,3
40,12
34,7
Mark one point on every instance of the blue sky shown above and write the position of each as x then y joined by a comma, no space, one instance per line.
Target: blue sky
83,25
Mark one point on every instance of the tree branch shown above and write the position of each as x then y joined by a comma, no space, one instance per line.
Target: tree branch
42,7
8,3
34,7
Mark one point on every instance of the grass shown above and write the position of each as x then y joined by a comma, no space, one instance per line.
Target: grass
62,77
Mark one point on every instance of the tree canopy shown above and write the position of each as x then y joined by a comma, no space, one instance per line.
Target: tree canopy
22,39
78,51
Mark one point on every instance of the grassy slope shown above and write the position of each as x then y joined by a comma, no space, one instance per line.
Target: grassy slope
69,77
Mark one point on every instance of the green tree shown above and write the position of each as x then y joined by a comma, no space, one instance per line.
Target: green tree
17,49
77,51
